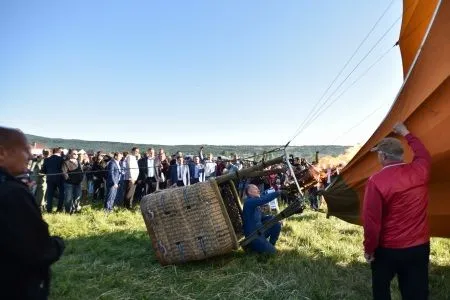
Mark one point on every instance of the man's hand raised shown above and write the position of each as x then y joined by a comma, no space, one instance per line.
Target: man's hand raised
400,128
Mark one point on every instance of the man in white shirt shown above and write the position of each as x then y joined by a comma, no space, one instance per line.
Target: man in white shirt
210,167
179,173
147,171
131,170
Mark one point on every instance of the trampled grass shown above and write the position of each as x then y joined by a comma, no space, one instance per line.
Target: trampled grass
319,258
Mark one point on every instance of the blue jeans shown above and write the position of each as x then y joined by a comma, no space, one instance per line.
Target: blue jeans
111,195
90,189
120,194
313,199
261,245
72,195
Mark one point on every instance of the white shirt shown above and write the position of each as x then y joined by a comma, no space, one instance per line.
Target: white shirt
274,203
151,167
210,167
132,168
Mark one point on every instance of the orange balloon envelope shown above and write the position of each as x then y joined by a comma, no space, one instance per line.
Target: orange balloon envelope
423,104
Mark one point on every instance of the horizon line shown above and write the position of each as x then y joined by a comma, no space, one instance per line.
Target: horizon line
174,145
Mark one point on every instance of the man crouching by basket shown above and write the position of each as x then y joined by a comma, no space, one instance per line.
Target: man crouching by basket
253,219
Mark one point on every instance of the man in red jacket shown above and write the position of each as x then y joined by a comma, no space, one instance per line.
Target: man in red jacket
396,236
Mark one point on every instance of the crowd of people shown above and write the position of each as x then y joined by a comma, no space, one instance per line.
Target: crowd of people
394,214
123,178
117,179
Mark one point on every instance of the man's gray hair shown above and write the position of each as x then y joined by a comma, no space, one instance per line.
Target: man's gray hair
393,157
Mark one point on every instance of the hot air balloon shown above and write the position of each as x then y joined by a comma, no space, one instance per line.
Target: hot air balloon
423,104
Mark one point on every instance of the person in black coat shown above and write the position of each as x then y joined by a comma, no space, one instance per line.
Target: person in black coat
53,168
26,248
99,175
146,182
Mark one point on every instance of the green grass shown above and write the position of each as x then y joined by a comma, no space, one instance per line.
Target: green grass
111,258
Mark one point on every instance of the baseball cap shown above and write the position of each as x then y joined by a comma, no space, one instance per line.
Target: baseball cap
390,146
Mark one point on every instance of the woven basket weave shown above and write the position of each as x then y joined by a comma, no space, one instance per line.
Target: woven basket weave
188,223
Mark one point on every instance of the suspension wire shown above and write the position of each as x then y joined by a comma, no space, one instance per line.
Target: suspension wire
308,122
311,119
359,123
318,113
343,68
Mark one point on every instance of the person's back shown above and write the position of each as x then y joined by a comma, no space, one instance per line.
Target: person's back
53,168
406,201
53,165
404,192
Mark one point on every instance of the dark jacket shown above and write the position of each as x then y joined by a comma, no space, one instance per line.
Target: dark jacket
26,248
185,176
53,165
143,167
99,170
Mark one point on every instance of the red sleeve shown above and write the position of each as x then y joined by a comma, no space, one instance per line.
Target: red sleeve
422,158
372,214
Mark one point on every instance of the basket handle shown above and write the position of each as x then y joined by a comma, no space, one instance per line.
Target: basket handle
151,214
162,249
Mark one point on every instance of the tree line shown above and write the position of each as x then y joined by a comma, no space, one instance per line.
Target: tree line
217,150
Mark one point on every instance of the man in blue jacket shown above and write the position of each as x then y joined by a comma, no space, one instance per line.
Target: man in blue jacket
253,219
197,171
113,180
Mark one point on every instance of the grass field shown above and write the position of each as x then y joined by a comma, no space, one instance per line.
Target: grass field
111,258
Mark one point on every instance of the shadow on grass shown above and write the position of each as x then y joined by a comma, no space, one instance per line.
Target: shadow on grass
122,265
305,216
349,231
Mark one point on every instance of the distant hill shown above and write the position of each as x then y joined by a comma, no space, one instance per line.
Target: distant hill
217,150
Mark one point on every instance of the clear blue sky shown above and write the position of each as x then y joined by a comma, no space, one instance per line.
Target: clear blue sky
191,72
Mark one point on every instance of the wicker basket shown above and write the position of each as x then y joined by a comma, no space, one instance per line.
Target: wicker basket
192,223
